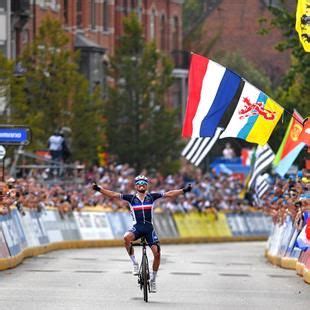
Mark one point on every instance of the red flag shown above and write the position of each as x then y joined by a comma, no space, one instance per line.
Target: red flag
305,134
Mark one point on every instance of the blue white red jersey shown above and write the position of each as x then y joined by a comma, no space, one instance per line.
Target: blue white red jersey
141,211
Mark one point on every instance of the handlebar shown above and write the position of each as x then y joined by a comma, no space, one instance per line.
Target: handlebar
141,243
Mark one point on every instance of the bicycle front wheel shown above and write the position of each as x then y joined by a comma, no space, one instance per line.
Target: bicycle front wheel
145,278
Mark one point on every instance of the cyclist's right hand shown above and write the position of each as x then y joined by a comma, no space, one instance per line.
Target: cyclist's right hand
95,187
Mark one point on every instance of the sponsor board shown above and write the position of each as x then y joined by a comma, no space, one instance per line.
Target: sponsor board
94,225
4,252
202,225
119,222
10,234
249,224
165,225
287,235
59,229
38,227
31,236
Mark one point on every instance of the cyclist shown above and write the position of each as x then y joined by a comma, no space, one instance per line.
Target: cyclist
141,206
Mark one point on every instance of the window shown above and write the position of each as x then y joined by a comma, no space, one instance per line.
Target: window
139,10
93,14
105,15
125,7
79,20
162,33
66,13
133,4
175,33
152,25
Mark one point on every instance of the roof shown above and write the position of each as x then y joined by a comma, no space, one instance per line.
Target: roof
84,43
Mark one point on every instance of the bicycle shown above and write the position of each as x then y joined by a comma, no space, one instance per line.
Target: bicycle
144,272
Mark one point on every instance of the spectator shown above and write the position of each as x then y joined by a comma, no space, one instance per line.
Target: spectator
228,151
55,146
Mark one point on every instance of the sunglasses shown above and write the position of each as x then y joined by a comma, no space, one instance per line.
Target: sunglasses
141,183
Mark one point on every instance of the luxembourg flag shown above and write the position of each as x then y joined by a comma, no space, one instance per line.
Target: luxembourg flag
211,89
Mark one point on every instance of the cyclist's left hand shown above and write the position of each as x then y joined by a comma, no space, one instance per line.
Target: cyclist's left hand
187,188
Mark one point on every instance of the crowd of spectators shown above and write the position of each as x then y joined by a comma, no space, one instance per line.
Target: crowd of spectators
211,192
288,198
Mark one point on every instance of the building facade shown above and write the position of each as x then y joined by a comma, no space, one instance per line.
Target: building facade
95,26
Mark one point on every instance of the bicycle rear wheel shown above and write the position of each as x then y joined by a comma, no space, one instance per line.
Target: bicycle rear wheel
145,278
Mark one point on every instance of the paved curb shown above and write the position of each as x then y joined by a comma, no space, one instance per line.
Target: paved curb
290,263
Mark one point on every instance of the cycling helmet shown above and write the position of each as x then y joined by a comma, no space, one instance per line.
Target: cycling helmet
141,178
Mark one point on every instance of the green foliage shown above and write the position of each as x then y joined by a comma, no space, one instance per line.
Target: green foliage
141,130
295,88
10,86
52,94
51,73
87,123
246,69
192,11
294,92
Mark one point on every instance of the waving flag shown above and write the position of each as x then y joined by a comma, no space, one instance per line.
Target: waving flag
198,148
262,185
255,116
302,23
291,145
211,89
305,134
263,158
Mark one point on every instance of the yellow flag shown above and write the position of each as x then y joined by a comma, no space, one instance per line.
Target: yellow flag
303,23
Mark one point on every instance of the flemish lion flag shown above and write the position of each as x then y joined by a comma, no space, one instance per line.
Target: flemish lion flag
302,23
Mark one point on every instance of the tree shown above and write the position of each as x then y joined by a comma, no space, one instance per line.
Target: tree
56,94
294,91
88,126
10,86
247,70
50,74
141,129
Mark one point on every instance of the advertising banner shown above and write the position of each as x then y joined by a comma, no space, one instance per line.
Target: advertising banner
202,225
19,228
59,229
303,242
38,227
93,225
165,225
31,237
119,222
249,224
4,252
287,235
11,235
51,225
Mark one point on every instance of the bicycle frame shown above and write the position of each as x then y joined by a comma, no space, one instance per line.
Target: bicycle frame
144,272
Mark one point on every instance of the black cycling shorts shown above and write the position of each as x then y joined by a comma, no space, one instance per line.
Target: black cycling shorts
147,230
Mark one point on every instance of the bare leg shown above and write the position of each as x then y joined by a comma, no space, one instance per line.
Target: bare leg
128,238
156,254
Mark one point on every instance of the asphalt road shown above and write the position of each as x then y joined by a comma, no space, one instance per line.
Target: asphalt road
204,276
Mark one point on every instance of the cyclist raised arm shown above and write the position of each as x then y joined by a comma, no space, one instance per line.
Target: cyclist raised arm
141,207
106,192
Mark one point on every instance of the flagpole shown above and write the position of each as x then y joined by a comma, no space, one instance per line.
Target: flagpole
301,123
